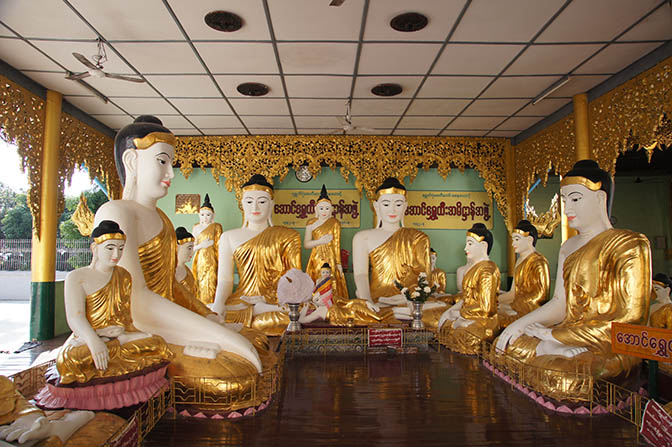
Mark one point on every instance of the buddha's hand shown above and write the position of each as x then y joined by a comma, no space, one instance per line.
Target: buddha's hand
510,335
253,299
25,428
372,307
340,268
554,347
324,239
217,318
539,331
110,331
99,352
205,244
445,317
461,322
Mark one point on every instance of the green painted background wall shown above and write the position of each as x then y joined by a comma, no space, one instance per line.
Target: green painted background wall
448,243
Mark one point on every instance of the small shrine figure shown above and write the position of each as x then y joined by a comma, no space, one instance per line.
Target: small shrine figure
185,250
437,276
206,233
661,309
324,290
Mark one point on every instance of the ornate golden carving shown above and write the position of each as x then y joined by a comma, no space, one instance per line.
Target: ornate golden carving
187,203
83,217
548,221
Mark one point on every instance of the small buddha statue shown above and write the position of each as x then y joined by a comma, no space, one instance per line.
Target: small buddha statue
207,233
185,250
531,277
604,276
261,253
473,319
661,308
437,276
323,238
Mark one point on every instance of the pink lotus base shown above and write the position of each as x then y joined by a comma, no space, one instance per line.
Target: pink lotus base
230,415
108,396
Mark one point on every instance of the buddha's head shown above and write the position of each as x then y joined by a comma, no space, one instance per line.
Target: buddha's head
108,244
206,215
325,271
433,257
662,285
144,152
479,242
390,204
524,237
323,208
257,201
587,192
185,245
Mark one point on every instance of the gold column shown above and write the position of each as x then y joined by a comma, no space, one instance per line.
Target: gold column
514,208
581,126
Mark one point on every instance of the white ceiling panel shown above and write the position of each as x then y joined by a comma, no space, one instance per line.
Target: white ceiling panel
463,133
318,106
453,86
437,106
160,57
495,107
174,121
316,20
616,57
318,86
260,106
377,122
327,58
412,132
424,122
318,122
192,18
58,83
214,121
503,133
129,19
287,131
185,131
504,20
267,122
551,59
519,87
388,106
544,107
441,15
228,131
238,57
518,123
206,106
585,21
200,86
409,85
475,59
114,121
309,131
397,58
578,84
22,56
144,106
43,18
475,122
92,105
115,87
657,26
229,84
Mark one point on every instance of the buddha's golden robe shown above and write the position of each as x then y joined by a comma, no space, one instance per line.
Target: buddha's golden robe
402,258
532,280
110,306
355,312
662,317
260,262
158,257
480,287
329,253
189,281
607,280
438,276
205,263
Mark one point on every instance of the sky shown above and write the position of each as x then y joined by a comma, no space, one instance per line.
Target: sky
11,175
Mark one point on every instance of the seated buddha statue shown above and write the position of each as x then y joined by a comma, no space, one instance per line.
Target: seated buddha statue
261,253
661,308
604,276
473,319
531,277
206,233
323,239
437,276
185,250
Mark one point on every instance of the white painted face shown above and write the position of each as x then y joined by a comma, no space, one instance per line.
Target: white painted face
324,210
185,252
662,293
583,207
521,243
432,259
108,254
391,207
155,170
325,272
257,206
474,249
206,216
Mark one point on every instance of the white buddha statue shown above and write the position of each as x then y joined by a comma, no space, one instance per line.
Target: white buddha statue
185,251
661,309
206,234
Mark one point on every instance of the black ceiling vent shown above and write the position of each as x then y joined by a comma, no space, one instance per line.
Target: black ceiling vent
224,21
253,89
409,22
386,89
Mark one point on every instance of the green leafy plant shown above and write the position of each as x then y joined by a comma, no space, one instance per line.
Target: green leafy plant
421,292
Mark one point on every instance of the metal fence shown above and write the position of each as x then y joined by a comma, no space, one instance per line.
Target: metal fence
70,254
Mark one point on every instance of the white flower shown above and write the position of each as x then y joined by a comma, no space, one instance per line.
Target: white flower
415,294
417,289
427,289
436,284
422,275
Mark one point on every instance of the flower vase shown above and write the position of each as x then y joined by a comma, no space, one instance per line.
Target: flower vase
294,324
417,316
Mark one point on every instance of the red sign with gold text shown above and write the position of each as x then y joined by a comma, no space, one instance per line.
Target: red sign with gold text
642,341
385,337
657,425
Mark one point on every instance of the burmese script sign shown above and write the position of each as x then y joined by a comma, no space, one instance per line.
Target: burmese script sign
642,341
656,425
293,207
392,337
448,209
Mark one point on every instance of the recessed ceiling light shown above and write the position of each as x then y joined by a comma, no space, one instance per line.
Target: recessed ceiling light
386,89
253,89
224,21
409,22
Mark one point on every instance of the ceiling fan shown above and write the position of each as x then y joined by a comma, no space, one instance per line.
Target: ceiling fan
95,68
346,123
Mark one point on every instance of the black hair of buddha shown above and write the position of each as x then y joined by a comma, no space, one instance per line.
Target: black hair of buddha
206,203
106,227
258,179
431,250
391,182
662,277
591,170
326,266
480,230
182,233
526,225
140,128
323,194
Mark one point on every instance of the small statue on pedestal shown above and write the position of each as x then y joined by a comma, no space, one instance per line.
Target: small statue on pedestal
206,233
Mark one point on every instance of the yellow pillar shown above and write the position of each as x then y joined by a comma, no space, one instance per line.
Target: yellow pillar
43,259
514,212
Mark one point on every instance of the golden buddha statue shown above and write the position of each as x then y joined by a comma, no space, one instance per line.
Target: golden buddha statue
661,308
437,276
185,250
531,277
261,253
323,238
207,233
472,320
604,276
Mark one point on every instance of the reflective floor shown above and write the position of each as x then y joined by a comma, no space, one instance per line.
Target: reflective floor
438,399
